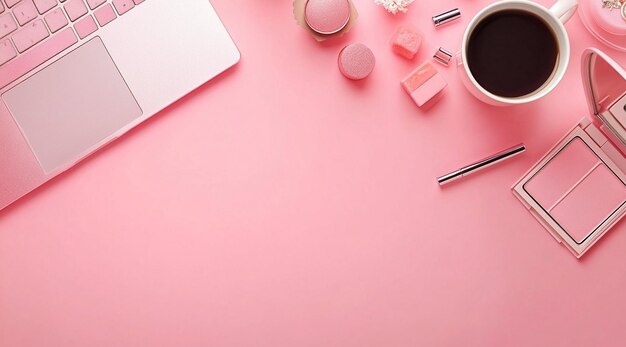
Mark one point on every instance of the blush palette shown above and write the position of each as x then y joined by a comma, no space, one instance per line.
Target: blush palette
564,185
578,190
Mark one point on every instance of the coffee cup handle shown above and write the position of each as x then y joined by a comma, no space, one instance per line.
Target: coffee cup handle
564,9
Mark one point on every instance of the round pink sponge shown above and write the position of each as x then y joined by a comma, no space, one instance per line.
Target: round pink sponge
356,61
327,16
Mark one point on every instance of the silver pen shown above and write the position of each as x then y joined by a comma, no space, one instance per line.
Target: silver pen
482,164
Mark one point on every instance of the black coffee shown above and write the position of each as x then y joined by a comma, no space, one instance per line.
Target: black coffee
512,53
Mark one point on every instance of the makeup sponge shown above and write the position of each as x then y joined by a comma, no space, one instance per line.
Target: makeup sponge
406,41
327,16
356,61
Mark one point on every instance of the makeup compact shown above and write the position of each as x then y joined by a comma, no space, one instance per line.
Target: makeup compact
606,20
578,190
325,19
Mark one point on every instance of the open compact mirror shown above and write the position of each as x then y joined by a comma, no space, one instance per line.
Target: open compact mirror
578,190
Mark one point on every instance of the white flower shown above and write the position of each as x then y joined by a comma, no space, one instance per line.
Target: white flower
393,6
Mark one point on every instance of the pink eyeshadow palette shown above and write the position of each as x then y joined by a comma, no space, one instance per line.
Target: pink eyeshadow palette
564,185
561,173
577,191
577,215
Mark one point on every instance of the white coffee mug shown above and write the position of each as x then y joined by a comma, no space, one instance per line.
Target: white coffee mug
555,17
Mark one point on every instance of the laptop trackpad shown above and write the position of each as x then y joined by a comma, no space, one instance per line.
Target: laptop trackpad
71,106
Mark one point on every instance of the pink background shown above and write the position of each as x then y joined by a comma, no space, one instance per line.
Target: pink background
283,205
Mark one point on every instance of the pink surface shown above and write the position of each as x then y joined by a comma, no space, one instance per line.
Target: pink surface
283,205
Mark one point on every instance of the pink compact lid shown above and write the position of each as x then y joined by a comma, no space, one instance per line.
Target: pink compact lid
604,81
327,16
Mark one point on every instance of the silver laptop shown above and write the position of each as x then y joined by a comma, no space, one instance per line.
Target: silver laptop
77,74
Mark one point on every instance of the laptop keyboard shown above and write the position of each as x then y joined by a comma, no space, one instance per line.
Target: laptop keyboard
34,31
